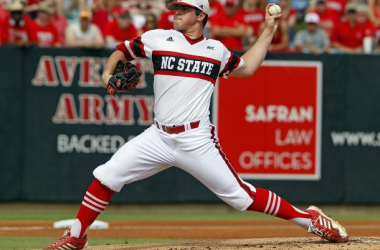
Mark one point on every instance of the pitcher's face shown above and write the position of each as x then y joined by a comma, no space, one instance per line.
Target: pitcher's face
184,18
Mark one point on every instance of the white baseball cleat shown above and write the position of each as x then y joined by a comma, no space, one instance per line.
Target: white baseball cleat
325,227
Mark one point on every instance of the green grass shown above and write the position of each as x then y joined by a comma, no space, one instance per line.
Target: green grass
160,216
118,213
34,212
130,216
19,243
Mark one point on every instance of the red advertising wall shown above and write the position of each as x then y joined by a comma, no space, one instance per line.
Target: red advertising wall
269,125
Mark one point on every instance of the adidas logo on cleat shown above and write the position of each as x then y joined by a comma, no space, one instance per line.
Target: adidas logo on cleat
325,227
170,39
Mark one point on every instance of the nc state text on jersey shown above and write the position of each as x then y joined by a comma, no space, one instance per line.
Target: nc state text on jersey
178,64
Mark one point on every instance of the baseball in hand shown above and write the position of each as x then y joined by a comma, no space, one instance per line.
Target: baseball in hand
274,10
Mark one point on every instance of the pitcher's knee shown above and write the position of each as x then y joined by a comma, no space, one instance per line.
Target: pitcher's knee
111,175
239,200
242,205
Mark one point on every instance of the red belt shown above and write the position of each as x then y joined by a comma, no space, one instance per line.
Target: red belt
177,129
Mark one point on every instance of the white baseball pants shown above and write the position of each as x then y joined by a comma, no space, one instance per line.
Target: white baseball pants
196,151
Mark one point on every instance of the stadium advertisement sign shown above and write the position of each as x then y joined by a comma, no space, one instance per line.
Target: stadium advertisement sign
81,101
269,125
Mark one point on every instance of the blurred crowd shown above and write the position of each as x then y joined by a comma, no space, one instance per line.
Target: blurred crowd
309,26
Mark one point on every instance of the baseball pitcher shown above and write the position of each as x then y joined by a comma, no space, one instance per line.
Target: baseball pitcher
186,67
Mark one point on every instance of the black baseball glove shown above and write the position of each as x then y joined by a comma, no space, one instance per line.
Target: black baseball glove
125,78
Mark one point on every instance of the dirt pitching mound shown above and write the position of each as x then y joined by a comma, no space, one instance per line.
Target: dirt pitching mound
355,243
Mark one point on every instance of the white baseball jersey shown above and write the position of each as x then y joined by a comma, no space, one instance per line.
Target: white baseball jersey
185,72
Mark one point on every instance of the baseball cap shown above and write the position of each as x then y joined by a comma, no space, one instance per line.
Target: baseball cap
232,2
203,5
120,11
362,8
16,6
45,7
84,14
312,18
351,8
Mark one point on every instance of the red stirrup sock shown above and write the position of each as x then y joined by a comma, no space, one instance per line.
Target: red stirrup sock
95,201
270,203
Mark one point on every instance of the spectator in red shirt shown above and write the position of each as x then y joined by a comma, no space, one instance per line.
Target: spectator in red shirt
17,28
229,27
3,34
215,8
281,38
328,18
3,10
337,7
3,18
58,20
347,35
100,15
121,29
253,15
113,6
366,27
288,13
280,41
47,34
289,16
165,21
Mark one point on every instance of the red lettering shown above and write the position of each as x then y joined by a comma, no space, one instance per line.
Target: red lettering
66,112
45,74
115,110
119,110
97,111
91,109
66,69
84,101
89,73
145,107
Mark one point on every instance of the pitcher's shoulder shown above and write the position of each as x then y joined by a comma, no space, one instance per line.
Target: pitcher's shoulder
215,43
159,33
